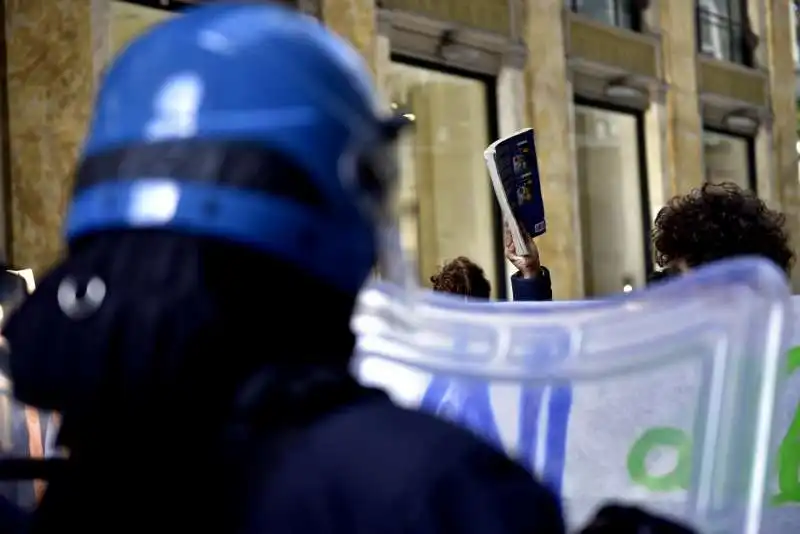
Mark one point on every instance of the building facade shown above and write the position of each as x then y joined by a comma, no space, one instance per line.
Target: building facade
633,101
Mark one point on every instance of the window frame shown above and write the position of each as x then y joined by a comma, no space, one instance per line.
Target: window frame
734,24
794,13
752,169
636,14
162,5
499,284
6,218
644,184
175,6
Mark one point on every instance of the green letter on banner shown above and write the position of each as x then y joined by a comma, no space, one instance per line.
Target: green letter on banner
789,450
653,438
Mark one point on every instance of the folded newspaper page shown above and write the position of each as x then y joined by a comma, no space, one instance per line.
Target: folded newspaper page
514,170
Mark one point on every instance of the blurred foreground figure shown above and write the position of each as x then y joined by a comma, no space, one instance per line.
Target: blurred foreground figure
196,337
24,431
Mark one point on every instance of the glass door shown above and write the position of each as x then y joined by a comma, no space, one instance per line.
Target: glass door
446,204
613,199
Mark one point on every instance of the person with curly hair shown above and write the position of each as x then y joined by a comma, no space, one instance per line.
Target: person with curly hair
462,276
715,222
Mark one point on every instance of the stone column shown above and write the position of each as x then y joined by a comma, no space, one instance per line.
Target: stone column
354,20
767,184
382,56
784,136
54,51
684,150
549,108
511,115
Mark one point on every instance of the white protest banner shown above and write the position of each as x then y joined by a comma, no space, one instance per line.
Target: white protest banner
664,397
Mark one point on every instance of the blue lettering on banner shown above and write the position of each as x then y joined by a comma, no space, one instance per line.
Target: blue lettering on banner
465,402
468,403
556,410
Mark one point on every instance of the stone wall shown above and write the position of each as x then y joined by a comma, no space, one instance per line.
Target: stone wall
56,49
52,62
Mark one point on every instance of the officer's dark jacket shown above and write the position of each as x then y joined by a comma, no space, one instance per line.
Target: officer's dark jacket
364,467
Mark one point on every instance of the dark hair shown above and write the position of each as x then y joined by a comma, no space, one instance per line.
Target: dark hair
192,333
718,221
175,306
462,276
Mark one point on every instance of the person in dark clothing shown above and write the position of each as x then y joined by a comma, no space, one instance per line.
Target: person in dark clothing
211,212
715,222
268,439
23,430
531,282
464,277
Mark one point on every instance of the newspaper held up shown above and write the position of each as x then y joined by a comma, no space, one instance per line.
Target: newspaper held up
514,170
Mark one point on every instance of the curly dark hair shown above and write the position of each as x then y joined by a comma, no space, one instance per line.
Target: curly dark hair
462,276
718,221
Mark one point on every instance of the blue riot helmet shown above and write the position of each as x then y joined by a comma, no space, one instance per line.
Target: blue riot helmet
248,123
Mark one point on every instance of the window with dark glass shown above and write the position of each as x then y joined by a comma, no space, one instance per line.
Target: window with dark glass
723,30
622,13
